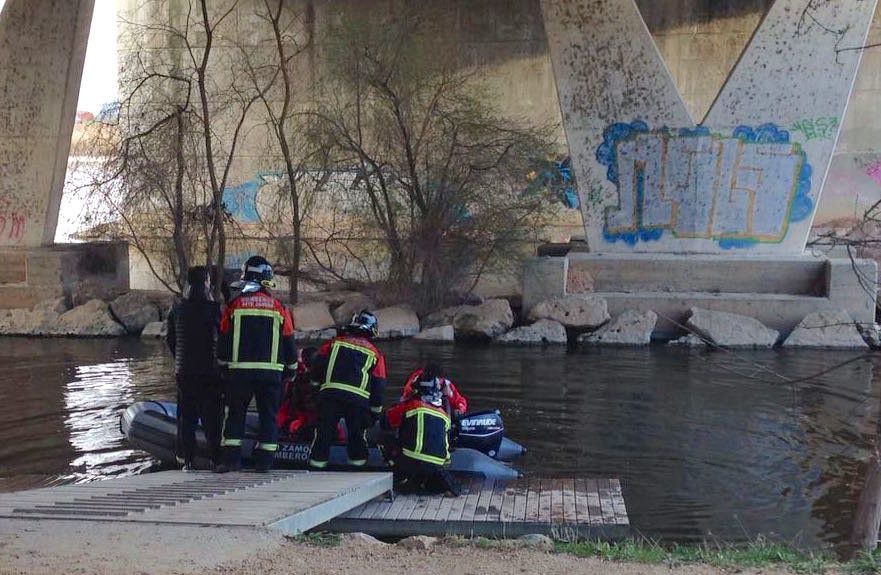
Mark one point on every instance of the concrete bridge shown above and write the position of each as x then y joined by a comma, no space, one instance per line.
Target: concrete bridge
655,173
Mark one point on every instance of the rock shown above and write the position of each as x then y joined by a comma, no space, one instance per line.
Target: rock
440,333
396,322
731,330
312,316
871,334
134,311
689,340
90,319
56,305
826,329
543,331
27,322
154,330
629,328
418,542
537,541
361,540
317,335
579,311
352,304
484,321
442,317
91,288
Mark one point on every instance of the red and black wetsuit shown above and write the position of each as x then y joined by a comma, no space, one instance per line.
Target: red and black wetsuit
299,408
353,377
256,346
458,403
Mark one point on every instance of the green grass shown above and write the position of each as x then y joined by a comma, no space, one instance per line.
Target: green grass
865,563
757,554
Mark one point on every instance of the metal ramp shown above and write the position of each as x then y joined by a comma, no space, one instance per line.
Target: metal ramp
291,501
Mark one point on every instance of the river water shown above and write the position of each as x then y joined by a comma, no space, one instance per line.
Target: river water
707,444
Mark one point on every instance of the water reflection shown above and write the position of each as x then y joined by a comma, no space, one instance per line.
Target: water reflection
707,444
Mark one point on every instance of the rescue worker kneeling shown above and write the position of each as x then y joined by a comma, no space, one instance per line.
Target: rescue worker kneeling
257,348
352,375
420,459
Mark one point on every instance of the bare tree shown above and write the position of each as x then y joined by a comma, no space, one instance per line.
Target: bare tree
439,172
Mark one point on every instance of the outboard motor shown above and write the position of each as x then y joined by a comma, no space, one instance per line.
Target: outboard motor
482,431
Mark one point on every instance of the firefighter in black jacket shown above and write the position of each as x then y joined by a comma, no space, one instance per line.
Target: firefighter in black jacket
352,375
192,339
257,348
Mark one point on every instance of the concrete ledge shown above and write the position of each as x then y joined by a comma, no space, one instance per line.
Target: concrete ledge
779,292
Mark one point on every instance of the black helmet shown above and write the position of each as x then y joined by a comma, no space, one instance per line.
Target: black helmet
363,323
429,388
257,270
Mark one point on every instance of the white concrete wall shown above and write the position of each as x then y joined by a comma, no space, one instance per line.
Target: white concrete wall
42,47
654,176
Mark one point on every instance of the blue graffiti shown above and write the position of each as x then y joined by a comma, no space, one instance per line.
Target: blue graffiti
556,176
739,191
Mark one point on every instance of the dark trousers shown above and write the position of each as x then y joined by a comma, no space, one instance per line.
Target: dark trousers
411,476
198,398
358,420
239,394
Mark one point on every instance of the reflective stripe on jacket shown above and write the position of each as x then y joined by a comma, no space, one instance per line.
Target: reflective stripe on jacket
257,336
353,370
423,431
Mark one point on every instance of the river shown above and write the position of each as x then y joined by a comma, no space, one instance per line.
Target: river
707,444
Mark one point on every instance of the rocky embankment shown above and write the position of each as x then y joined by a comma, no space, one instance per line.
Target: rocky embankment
572,319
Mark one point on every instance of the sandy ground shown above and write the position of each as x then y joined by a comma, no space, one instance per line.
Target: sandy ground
55,547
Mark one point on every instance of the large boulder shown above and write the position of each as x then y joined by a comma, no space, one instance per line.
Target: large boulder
440,333
397,322
871,334
92,288
629,328
155,330
351,304
134,310
92,319
826,329
39,321
56,305
578,311
485,321
312,316
544,331
442,317
731,330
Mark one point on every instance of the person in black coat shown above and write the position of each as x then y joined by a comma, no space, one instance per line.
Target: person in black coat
192,339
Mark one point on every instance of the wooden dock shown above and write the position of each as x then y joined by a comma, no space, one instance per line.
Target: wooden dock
592,508
291,501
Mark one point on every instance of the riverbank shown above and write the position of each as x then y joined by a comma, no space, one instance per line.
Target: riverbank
52,547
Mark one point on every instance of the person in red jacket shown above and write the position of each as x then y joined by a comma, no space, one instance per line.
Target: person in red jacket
457,403
298,412
256,348
422,451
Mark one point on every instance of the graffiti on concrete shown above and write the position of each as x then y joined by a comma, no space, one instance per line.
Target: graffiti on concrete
241,201
874,171
12,226
816,128
738,190
555,175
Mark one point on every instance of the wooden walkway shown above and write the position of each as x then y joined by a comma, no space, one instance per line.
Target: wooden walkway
591,508
292,501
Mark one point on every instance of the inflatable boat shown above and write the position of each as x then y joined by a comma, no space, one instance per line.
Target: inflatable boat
481,448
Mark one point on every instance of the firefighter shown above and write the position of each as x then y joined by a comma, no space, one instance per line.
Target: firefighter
422,452
192,339
352,375
453,400
257,349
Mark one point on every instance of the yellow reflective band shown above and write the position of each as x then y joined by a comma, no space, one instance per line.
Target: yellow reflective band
231,442
267,446
424,457
357,462
345,387
256,365
317,464
237,316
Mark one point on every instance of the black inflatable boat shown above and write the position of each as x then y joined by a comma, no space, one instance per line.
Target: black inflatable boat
481,446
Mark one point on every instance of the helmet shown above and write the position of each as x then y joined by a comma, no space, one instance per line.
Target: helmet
364,323
257,270
429,388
